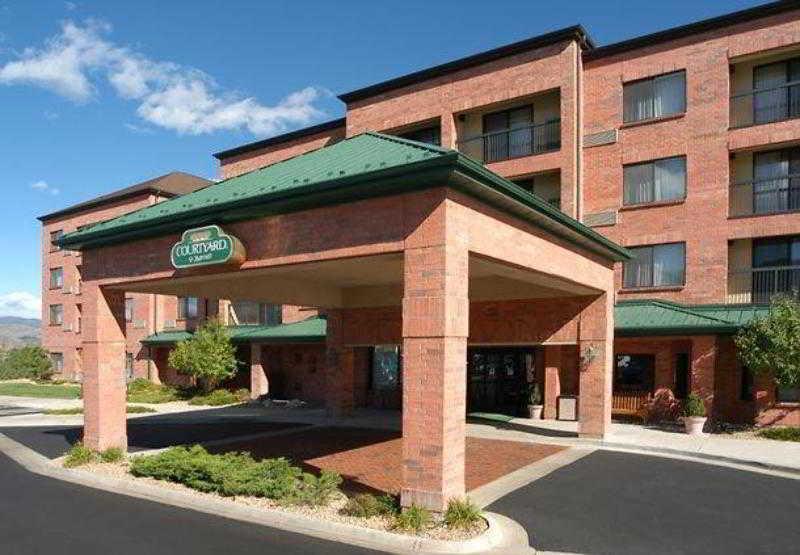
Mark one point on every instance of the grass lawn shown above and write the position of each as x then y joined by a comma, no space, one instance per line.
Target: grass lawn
781,434
44,391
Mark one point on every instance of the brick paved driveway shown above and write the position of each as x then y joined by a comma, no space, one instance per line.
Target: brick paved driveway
370,460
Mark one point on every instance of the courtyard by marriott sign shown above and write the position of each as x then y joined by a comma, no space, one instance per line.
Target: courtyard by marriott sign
206,246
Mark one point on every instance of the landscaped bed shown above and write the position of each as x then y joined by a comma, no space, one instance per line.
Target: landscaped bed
144,391
278,485
131,409
780,434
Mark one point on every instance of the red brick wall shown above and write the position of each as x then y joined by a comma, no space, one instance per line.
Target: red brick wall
250,161
301,368
701,135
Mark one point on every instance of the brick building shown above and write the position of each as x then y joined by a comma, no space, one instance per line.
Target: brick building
600,220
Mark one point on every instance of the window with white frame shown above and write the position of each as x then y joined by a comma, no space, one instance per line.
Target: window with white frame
654,181
187,307
654,97
655,266
56,278
57,362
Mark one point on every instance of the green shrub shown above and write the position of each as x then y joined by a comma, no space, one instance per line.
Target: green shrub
208,355
412,519
112,455
220,397
142,390
366,505
79,455
780,434
30,361
15,373
316,490
462,514
694,406
228,474
138,409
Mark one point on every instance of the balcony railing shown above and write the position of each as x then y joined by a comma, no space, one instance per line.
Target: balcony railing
761,285
513,143
765,105
772,195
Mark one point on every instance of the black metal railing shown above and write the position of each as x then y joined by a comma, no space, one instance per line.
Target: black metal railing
513,143
761,285
771,195
765,105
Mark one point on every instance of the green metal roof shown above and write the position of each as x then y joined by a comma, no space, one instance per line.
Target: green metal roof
311,330
366,165
656,317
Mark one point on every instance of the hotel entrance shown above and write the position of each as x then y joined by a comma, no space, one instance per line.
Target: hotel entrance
497,378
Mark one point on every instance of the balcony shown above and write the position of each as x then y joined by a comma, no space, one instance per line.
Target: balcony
773,195
765,105
761,285
516,142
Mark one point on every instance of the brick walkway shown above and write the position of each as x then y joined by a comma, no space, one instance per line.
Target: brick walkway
370,460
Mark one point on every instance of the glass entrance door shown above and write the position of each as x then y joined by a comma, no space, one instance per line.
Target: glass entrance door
497,377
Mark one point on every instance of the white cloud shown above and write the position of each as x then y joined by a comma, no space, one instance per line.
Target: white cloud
170,96
20,303
70,6
45,187
48,114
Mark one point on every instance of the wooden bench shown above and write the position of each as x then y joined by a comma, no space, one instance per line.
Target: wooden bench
630,403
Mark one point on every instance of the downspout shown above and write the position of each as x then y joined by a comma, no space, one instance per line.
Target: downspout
579,133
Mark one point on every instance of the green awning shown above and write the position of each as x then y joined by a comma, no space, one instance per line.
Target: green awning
311,330
366,165
656,317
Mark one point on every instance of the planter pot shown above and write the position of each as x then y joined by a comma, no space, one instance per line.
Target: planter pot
535,412
694,424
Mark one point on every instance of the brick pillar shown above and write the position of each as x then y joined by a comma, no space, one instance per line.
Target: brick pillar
435,329
596,341
104,368
704,357
340,369
259,385
552,380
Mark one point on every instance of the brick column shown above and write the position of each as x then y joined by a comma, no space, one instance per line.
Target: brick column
704,358
435,329
259,385
596,340
340,369
552,380
103,370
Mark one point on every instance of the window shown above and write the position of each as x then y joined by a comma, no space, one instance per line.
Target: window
128,366
54,236
251,313
788,394
129,310
507,134
546,186
655,181
187,307
57,360
655,97
634,372
745,384
386,368
773,99
656,266
56,278
776,181
431,135
56,314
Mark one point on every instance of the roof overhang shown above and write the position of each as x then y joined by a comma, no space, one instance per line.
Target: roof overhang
451,169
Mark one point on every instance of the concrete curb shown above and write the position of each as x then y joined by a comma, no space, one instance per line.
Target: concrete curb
503,533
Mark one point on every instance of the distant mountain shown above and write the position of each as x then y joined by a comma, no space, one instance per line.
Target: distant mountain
16,332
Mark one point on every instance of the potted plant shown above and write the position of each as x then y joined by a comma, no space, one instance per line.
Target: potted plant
535,402
694,415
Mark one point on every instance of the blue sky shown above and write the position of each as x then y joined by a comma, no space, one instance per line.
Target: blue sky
98,95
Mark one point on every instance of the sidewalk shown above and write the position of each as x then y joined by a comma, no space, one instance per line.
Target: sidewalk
765,453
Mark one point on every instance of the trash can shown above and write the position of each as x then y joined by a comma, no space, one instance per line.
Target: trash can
567,407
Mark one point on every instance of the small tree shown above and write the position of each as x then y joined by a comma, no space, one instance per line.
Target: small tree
32,359
208,355
771,344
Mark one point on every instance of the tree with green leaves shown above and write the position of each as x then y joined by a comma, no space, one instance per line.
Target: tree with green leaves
31,359
771,344
208,355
